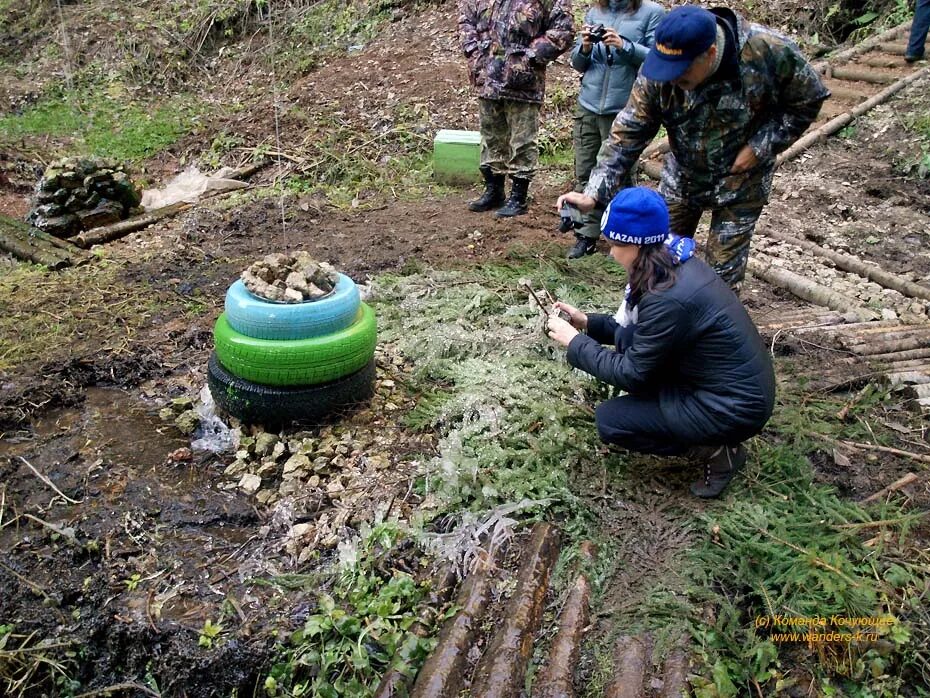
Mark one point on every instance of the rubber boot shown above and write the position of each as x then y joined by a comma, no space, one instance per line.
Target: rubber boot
516,204
719,470
493,195
583,246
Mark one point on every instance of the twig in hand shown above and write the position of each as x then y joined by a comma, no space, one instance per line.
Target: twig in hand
49,482
539,303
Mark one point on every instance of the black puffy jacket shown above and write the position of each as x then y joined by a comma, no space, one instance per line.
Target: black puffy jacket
694,347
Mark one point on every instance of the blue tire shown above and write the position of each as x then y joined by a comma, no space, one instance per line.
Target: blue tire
254,317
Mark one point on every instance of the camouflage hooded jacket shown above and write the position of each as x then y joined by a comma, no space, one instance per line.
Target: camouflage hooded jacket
508,44
776,97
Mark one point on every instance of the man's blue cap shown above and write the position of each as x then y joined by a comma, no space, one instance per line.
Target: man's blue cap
681,36
636,216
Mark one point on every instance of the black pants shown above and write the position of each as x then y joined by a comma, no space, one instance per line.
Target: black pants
637,423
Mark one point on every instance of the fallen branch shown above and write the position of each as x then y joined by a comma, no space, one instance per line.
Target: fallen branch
885,449
120,687
844,411
813,558
902,481
49,482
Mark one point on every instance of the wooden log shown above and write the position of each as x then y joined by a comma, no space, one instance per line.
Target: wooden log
846,262
115,231
501,670
658,147
915,377
881,61
631,655
899,333
894,48
842,93
864,75
441,674
395,680
892,346
812,137
886,94
555,680
33,245
652,168
675,675
808,290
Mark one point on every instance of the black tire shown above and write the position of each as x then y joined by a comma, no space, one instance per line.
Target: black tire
275,406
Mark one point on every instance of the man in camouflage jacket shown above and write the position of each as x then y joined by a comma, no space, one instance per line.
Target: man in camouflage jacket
508,44
731,95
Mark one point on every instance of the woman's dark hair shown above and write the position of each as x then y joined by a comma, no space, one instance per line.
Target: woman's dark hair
632,5
653,270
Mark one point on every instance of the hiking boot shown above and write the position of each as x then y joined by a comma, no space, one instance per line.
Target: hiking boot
516,204
583,246
913,59
719,470
493,195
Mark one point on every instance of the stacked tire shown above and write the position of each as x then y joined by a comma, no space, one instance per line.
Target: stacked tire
276,363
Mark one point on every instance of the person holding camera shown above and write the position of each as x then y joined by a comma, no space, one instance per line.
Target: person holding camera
698,376
615,38
731,95
508,46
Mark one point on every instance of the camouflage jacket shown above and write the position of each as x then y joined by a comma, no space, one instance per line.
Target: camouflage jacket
777,96
508,44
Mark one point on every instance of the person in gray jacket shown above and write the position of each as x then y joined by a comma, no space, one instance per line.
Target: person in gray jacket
608,63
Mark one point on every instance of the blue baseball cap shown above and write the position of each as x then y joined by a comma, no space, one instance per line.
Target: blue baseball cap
636,216
681,36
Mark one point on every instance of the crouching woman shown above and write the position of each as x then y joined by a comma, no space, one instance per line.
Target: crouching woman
698,376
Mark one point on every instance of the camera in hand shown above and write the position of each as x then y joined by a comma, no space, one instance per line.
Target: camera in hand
596,35
570,218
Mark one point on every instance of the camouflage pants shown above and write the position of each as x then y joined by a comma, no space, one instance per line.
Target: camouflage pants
731,228
509,136
589,132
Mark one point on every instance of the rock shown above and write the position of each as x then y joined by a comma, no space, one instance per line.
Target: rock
60,226
187,421
181,455
293,296
264,443
181,404
104,213
888,314
296,462
166,414
250,483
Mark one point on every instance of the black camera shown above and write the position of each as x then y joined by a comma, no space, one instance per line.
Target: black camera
570,218
596,35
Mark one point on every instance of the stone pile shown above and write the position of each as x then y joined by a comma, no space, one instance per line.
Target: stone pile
77,194
289,278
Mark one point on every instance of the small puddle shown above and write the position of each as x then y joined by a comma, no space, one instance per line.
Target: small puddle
165,522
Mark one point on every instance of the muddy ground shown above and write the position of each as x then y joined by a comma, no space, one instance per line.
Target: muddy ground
126,545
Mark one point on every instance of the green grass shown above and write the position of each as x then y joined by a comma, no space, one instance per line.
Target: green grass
105,124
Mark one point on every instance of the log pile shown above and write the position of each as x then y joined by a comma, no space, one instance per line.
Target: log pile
77,194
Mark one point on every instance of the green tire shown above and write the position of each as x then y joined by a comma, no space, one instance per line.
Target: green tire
297,362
